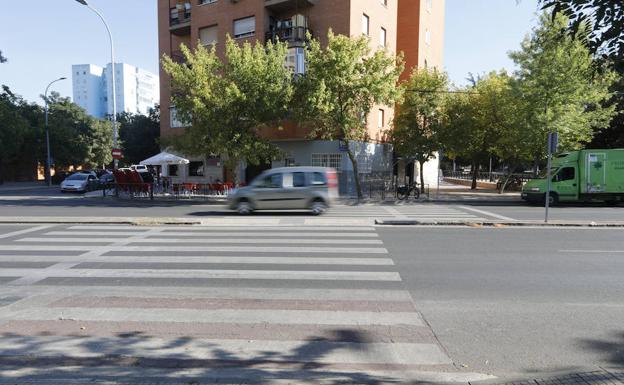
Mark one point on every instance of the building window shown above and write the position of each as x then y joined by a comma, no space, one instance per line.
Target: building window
327,160
365,24
381,118
173,118
295,60
202,2
208,35
429,5
384,2
426,65
196,169
382,37
245,27
427,37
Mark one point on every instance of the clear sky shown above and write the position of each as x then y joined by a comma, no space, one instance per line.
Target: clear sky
43,38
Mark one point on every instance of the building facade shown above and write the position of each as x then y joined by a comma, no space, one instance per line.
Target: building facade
137,89
414,27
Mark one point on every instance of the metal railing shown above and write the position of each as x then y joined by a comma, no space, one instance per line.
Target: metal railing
182,17
288,34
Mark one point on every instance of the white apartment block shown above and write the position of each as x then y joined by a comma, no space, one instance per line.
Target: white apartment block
137,89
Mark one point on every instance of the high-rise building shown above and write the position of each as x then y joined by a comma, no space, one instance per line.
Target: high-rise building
415,27
137,89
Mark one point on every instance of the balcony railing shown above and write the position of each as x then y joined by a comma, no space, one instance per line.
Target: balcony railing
289,34
180,21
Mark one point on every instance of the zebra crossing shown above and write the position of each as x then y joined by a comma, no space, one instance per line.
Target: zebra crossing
422,212
315,304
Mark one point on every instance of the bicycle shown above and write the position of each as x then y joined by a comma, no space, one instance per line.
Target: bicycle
403,192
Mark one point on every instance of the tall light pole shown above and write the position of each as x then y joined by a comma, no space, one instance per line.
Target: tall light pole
48,173
112,49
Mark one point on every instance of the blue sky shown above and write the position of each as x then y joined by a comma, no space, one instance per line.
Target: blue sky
43,41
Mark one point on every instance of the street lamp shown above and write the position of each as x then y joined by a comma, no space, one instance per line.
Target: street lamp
112,48
48,174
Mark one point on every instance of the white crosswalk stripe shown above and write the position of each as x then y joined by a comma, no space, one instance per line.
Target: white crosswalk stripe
284,296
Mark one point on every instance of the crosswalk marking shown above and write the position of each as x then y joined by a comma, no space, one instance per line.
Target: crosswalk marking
289,296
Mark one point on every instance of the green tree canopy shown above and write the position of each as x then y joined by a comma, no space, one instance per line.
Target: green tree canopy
420,117
226,102
139,135
342,83
562,88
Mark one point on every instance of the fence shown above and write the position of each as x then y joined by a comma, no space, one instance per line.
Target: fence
384,186
489,176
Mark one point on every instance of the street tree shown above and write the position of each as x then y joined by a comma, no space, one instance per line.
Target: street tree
14,129
420,117
139,135
227,102
562,87
342,83
2,58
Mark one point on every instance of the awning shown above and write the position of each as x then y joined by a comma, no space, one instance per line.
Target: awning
164,158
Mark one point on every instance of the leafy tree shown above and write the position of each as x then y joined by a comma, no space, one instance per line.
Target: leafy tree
562,88
99,144
227,102
420,117
342,83
2,58
14,129
139,135
605,20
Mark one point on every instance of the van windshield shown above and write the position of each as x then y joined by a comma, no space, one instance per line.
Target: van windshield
553,171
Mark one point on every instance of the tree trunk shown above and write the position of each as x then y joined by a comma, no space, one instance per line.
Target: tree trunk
536,166
506,180
356,175
422,176
475,174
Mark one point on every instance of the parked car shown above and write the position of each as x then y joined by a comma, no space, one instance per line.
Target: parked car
139,168
107,178
287,188
79,182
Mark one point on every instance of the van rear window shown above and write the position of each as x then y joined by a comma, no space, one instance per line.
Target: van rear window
318,179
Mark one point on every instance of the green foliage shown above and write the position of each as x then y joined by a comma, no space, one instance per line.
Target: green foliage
139,135
342,83
605,20
227,102
75,138
561,86
2,58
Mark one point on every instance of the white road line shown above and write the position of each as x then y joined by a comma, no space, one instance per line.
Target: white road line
208,260
24,231
216,234
234,316
203,240
488,213
237,249
593,251
206,274
251,229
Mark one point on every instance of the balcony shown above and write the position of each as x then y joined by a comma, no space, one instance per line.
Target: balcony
180,20
295,36
288,5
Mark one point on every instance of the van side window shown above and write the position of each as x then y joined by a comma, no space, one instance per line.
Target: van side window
299,179
566,173
271,181
318,179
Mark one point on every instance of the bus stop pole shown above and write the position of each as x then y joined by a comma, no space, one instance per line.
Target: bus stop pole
547,195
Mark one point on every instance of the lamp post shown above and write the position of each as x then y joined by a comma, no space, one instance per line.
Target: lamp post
48,173
112,49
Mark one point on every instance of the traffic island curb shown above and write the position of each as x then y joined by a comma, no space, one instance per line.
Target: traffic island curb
498,224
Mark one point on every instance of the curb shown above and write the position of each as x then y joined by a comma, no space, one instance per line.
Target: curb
134,221
500,224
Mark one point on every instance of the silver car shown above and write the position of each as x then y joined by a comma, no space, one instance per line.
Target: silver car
287,188
80,182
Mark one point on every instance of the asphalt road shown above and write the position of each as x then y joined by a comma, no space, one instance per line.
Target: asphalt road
50,202
518,301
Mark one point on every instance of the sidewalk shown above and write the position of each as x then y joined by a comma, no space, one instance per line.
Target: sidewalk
17,186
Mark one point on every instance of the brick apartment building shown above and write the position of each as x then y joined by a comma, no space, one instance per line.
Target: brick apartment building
415,27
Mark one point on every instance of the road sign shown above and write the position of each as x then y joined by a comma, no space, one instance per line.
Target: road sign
553,142
116,152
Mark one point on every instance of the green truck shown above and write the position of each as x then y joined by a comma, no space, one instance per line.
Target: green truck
581,176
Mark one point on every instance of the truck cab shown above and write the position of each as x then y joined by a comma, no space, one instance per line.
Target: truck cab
564,175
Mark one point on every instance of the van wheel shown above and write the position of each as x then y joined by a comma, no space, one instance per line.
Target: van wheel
244,208
318,207
553,199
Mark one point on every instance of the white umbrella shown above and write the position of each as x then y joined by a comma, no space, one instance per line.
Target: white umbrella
164,158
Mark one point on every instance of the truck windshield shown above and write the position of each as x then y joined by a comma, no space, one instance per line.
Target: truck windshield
553,171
